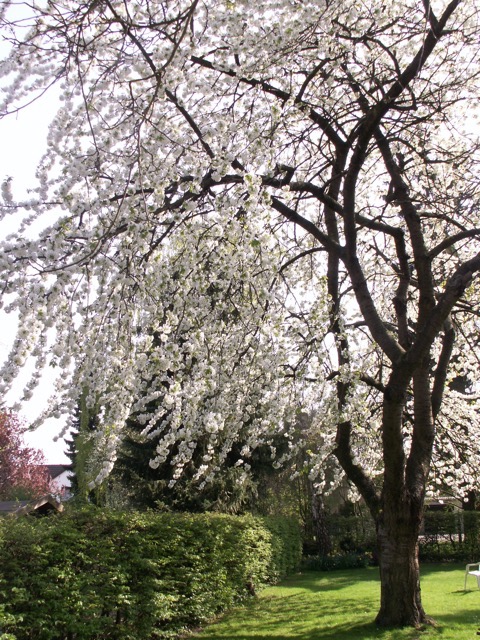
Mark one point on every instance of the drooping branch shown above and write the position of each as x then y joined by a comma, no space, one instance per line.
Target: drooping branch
191,122
291,215
300,256
451,241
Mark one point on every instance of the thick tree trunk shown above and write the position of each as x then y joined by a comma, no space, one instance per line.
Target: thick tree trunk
399,573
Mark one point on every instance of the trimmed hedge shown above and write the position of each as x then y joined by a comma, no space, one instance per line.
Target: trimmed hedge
337,562
91,574
446,536
451,536
351,534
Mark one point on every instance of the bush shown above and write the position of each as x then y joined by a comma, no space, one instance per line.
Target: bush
91,574
286,546
351,534
450,536
338,561
446,536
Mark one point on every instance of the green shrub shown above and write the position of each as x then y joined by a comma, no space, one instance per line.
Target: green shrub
286,546
450,536
446,536
91,574
351,534
338,561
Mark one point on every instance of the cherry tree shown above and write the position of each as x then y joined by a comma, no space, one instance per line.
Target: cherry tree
248,207
22,471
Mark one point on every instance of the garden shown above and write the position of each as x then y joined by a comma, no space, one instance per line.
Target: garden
338,605
92,573
250,247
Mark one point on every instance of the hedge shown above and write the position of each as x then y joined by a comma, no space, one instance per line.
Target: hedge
91,574
451,536
446,536
351,534
340,561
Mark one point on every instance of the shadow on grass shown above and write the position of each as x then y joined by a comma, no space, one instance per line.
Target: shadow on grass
429,568
315,581
279,625
342,606
297,617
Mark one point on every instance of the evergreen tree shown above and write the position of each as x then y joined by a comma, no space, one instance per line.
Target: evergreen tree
80,447
235,488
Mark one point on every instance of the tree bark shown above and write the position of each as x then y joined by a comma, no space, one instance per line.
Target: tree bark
322,537
398,521
400,603
398,509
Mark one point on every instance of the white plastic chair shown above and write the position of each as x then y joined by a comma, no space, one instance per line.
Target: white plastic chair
475,572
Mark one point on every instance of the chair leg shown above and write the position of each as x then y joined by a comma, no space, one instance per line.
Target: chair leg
478,582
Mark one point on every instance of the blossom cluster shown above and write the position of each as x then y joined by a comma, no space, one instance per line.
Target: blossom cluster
184,258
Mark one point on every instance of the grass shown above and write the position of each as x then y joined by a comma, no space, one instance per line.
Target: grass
342,605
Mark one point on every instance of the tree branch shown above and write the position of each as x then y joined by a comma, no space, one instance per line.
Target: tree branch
282,95
309,226
454,290
442,367
355,473
452,240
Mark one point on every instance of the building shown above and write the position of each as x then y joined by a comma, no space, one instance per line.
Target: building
39,507
60,476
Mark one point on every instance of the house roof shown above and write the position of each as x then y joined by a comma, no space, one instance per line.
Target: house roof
11,505
56,470
42,506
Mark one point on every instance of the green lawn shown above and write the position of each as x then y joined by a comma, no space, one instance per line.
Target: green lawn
341,605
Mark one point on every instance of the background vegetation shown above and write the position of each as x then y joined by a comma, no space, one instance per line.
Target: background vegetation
447,536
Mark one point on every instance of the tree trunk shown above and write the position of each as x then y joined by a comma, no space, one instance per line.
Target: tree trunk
399,572
322,536
470,501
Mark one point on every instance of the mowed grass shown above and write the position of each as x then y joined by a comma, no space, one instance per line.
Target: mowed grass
342,605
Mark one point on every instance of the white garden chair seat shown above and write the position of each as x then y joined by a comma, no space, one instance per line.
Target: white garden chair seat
469,571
